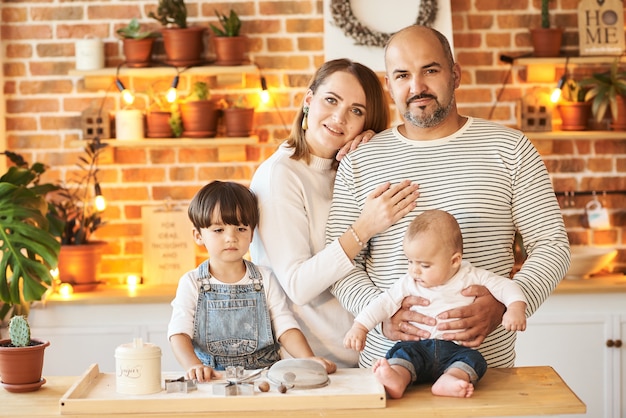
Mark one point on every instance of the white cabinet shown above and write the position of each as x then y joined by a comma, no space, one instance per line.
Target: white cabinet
581,336
83,334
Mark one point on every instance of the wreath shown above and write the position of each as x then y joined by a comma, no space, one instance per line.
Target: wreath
351,27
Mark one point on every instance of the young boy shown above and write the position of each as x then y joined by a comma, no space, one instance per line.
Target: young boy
228,311
433,245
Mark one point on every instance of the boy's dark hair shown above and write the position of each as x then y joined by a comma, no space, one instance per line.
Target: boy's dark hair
226,202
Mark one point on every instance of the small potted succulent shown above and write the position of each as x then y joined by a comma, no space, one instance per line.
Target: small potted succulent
230,46
184,45
575,111
546,39
199,113
21,358
162,117
238,117
137,44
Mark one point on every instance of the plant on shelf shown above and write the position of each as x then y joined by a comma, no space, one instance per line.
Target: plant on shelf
29,248
238,116
21,358
546,40
184,45
575,111
199,113
163,118
230,46
78,206
608,91
137,44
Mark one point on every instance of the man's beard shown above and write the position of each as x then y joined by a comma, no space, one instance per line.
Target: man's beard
429,121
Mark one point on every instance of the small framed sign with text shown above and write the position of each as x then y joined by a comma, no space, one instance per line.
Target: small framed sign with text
601,27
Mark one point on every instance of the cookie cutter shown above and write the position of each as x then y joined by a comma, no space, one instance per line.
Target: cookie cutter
236,383
180,385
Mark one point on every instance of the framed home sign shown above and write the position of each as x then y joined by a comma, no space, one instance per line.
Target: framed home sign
601,27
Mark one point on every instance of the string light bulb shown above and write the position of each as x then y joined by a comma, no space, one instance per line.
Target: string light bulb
556,93
127,96
100,202
172,93
265,95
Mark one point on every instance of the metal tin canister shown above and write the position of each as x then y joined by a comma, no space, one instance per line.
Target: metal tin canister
138,368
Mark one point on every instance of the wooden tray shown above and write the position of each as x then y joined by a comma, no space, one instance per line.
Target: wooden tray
94,391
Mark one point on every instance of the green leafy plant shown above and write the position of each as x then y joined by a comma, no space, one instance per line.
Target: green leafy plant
19,331
171,12
74,203
133,31
231,24
545,13
199,91
29,248
604,89
573,91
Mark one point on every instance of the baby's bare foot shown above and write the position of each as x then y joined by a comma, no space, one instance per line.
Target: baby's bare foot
393,381
448,385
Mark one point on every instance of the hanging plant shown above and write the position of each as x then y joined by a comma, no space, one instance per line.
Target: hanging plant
345,19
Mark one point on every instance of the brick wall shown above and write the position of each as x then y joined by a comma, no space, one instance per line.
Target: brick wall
44,103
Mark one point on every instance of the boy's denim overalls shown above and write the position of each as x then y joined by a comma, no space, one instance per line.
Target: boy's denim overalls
232,325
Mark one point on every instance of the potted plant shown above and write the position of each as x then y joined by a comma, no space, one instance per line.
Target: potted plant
77,207
199,113
230,46
162,117
183,45
21,358
546,40
573,108
608,91
29,248
238,117
137,44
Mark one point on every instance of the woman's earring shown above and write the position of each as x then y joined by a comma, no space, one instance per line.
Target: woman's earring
305,118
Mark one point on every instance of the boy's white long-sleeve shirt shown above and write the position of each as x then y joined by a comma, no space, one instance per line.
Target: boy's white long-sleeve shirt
186,300
442,298
294,201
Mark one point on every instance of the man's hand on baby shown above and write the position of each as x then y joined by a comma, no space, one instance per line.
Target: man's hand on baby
202,373
399,327
477,320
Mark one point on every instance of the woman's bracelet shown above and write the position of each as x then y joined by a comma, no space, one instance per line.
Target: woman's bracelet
356,237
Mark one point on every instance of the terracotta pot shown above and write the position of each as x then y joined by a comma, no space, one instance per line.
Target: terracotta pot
138,52
574,115
199,119
20,367
79,265
158,124
238,122
229,50
619,124
183,47
546,42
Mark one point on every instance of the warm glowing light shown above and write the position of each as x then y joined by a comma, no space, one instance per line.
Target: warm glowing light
171,95
66,290
100,203
265,96
556,95
133,280
55,273
128,97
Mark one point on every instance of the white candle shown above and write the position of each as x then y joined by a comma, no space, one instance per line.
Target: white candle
89,54
129,124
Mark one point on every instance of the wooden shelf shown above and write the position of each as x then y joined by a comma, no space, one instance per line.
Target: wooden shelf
178,142
587,135
158,71
603,59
